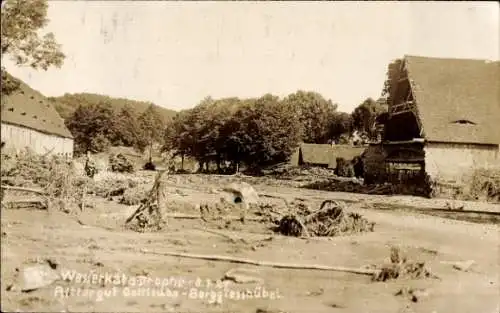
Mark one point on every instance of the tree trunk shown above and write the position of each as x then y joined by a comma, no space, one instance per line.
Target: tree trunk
182,161
151,151
218,164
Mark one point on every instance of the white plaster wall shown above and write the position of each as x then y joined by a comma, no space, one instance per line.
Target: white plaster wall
457,162
19,138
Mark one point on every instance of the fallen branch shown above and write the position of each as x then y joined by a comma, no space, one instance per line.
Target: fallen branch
25,202
231,238
15,188
265,263
197,216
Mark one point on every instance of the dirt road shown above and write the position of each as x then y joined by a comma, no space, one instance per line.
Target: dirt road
102,247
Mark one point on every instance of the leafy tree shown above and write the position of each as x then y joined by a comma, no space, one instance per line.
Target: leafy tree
392,76
342,123
92,127
68,103
268,131
127,130
315,114
21,22
152,127
364,116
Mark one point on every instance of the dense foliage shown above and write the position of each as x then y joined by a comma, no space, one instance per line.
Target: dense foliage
262,131
22,40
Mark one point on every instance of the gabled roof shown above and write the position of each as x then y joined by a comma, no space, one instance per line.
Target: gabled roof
458,99
317,153
327,154
29,108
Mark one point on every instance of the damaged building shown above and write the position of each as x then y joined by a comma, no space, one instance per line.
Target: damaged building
443,123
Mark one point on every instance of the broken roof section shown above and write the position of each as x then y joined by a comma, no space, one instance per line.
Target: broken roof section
458,100
29,108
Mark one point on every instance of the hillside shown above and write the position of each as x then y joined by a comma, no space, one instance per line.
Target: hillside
68,103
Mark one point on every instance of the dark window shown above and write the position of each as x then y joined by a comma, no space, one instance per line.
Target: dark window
464,122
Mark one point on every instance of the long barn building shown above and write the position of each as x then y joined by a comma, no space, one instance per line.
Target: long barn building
30,121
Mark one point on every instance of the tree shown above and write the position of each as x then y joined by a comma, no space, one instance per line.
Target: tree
127,130
92,127
152,126
392,76
268,131
315,114
342,123
364,116
21,22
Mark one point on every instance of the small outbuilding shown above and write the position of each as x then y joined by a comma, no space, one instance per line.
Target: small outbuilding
324,155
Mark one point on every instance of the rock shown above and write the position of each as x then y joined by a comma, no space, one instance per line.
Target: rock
36,277
418,294
460,265
464,266
259,310
242,276
241,193
318,292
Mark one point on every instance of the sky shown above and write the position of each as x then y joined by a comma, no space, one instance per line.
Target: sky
174,54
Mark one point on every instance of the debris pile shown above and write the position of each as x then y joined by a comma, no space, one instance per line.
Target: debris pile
111,186
332,219
401,268
148,216
486,185
53,177
352,185
134,195
121,164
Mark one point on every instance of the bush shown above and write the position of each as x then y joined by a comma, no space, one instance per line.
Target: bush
149,166
121,164
344,168
134,196
485,185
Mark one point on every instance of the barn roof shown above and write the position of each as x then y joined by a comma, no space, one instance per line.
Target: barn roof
458,99
317,153
328,154
29,108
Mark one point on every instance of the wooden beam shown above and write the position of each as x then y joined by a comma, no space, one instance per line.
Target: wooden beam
414,140
402,112
24,189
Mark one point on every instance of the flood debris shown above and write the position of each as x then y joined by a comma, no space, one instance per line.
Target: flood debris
134,196
260,310
464,266
224,258
414,295
52,178
402,268
332,219
148,216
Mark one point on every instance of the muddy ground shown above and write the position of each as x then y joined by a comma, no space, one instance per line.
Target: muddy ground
94,241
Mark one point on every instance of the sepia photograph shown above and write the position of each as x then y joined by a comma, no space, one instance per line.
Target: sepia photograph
250,156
